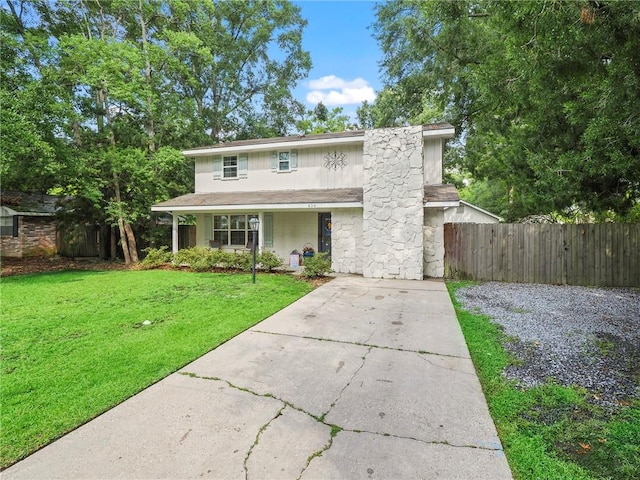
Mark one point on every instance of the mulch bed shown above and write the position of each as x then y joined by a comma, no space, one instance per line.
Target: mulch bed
21,266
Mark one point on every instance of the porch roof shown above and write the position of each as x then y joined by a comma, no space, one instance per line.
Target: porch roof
434,196
265,200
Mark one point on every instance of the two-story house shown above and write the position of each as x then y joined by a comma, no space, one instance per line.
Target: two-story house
372,199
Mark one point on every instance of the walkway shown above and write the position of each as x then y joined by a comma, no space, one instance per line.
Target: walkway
360,379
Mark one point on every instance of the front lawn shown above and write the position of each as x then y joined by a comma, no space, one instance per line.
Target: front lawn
75,344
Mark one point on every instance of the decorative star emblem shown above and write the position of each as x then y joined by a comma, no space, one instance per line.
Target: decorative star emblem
333,160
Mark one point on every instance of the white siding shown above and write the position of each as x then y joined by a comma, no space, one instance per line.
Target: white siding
433,150
467,214
292,230
311,172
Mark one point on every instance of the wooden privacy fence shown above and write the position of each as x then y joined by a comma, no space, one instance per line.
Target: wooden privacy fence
606,254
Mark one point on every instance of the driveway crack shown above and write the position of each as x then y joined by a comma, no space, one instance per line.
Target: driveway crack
361,344
333,404
257,440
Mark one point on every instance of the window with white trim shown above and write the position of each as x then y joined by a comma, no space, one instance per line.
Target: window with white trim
232,229
230,167
285,161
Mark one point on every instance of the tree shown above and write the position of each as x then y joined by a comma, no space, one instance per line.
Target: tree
109,92
544,94
322,120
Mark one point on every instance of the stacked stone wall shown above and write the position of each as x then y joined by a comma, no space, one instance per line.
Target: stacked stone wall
346,240
434,243
36,236
393,201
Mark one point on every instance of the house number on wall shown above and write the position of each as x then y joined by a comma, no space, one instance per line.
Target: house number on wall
333,160
311,205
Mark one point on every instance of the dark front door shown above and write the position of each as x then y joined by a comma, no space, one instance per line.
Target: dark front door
324,233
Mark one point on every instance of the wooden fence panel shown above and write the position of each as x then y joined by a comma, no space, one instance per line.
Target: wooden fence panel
589,254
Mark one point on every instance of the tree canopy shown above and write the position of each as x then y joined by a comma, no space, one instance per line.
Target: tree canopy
99,97
544,95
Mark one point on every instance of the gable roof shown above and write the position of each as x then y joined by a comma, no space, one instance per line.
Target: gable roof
28,204
444,130
481,210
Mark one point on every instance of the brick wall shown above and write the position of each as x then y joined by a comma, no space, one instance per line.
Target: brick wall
36,236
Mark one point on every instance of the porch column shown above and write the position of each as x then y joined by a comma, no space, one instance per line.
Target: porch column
174,233
260,231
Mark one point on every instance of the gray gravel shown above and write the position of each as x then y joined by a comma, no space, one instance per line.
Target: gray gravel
582,336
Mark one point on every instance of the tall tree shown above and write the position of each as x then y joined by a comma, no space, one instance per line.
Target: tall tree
110,91
544,94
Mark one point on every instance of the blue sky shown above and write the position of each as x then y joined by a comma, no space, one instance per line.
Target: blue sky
345,56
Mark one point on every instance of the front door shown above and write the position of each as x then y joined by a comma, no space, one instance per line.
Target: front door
324,233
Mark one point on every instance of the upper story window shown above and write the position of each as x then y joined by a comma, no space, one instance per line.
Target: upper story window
230,167
285,161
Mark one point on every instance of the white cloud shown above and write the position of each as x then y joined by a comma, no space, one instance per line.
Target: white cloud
333,91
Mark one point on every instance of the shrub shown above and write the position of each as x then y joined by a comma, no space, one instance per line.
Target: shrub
317,266
189,256
269,260
156,257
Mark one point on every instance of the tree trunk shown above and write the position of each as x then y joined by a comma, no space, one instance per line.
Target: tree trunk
131,240
114,243
150,128
123,241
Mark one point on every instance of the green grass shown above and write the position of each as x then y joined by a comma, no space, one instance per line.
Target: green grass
551,431
74,344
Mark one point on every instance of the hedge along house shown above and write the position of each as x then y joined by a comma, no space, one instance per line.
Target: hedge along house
373,200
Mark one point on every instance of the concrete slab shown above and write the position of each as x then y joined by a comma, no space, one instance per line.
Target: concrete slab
397,314
367,456
426,397
285,446
309,374
179,428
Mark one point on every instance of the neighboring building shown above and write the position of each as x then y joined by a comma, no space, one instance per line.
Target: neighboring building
468,213
27,224
374,200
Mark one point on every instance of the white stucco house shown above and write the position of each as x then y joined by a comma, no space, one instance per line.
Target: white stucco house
469,213
373,200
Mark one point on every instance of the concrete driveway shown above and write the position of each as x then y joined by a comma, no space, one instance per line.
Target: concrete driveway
362,378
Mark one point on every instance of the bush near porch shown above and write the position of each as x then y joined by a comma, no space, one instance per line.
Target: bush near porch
203,259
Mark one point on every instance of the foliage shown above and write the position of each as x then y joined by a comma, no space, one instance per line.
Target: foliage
549,431
203,259
156,257
544,95
317,266
269,261
98,98
76,352
321,120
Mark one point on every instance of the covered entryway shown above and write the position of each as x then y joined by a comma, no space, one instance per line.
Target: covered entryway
324,233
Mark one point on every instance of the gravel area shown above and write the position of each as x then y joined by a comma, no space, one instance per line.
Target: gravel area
589,337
